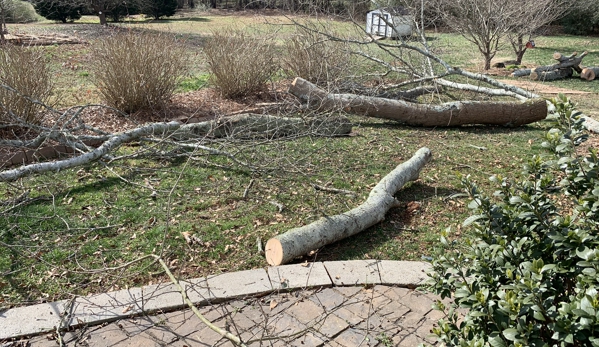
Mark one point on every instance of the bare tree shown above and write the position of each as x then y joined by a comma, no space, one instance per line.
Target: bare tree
482,22
532,15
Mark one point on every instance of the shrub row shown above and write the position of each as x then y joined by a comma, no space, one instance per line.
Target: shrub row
135,71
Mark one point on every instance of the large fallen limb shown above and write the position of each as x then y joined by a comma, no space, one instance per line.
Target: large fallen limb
448,114
249,125
299,241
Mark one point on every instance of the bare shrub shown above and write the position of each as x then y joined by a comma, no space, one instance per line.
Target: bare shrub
26,71
240,63
313,56
137,71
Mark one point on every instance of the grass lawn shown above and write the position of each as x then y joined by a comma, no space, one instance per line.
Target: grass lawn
80,221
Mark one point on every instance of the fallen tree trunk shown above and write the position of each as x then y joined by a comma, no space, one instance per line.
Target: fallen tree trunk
553,75
448,114
299,241
589,73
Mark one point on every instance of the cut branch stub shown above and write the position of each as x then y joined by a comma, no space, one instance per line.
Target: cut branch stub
299,241
448,114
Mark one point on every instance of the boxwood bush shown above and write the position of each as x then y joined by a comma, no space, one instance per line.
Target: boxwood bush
527,275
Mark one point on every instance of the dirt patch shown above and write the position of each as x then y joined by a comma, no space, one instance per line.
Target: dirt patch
540,88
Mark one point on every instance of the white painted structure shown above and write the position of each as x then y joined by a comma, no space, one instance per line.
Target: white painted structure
382,23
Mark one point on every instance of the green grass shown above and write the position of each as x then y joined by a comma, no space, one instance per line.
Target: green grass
89,218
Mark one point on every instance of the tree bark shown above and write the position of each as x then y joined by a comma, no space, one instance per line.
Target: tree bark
589,73
448,114
521,72
551,75
299,241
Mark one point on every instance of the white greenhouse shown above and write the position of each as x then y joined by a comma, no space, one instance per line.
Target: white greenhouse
382,23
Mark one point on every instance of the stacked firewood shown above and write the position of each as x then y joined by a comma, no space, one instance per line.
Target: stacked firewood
564,68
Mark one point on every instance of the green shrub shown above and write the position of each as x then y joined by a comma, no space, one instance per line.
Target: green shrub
59,10
136,71
528,274
26,71
311,55
582,21
159,8
16,11
240,63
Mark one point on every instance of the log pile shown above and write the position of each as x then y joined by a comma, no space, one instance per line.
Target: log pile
564,68
42,40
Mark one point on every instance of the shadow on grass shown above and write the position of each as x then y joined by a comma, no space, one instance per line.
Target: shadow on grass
474,129
169,20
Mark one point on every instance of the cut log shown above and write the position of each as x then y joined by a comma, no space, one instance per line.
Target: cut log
448,114
558,74
567,63
589,73
299,241
560,57
521,72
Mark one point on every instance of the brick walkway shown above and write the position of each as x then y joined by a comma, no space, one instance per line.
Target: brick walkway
337,316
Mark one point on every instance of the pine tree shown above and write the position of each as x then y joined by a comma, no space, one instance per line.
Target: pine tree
159,8
60,10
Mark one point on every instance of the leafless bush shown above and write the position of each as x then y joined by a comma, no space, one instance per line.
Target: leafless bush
136,71
240,63
24,69
310,54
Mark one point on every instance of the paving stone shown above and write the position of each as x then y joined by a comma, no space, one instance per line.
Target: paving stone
348,316
393,311
435,315
404,339
396,293
331,326
418,302
328,298
373,322
164,296
353,272
306,311
208,337
361,309
349,292
254,313
238,284
352,337
38,341
403,273
424,331
411,321
284,325
30,320
105,307
299,276
308,339
197,291
108,336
